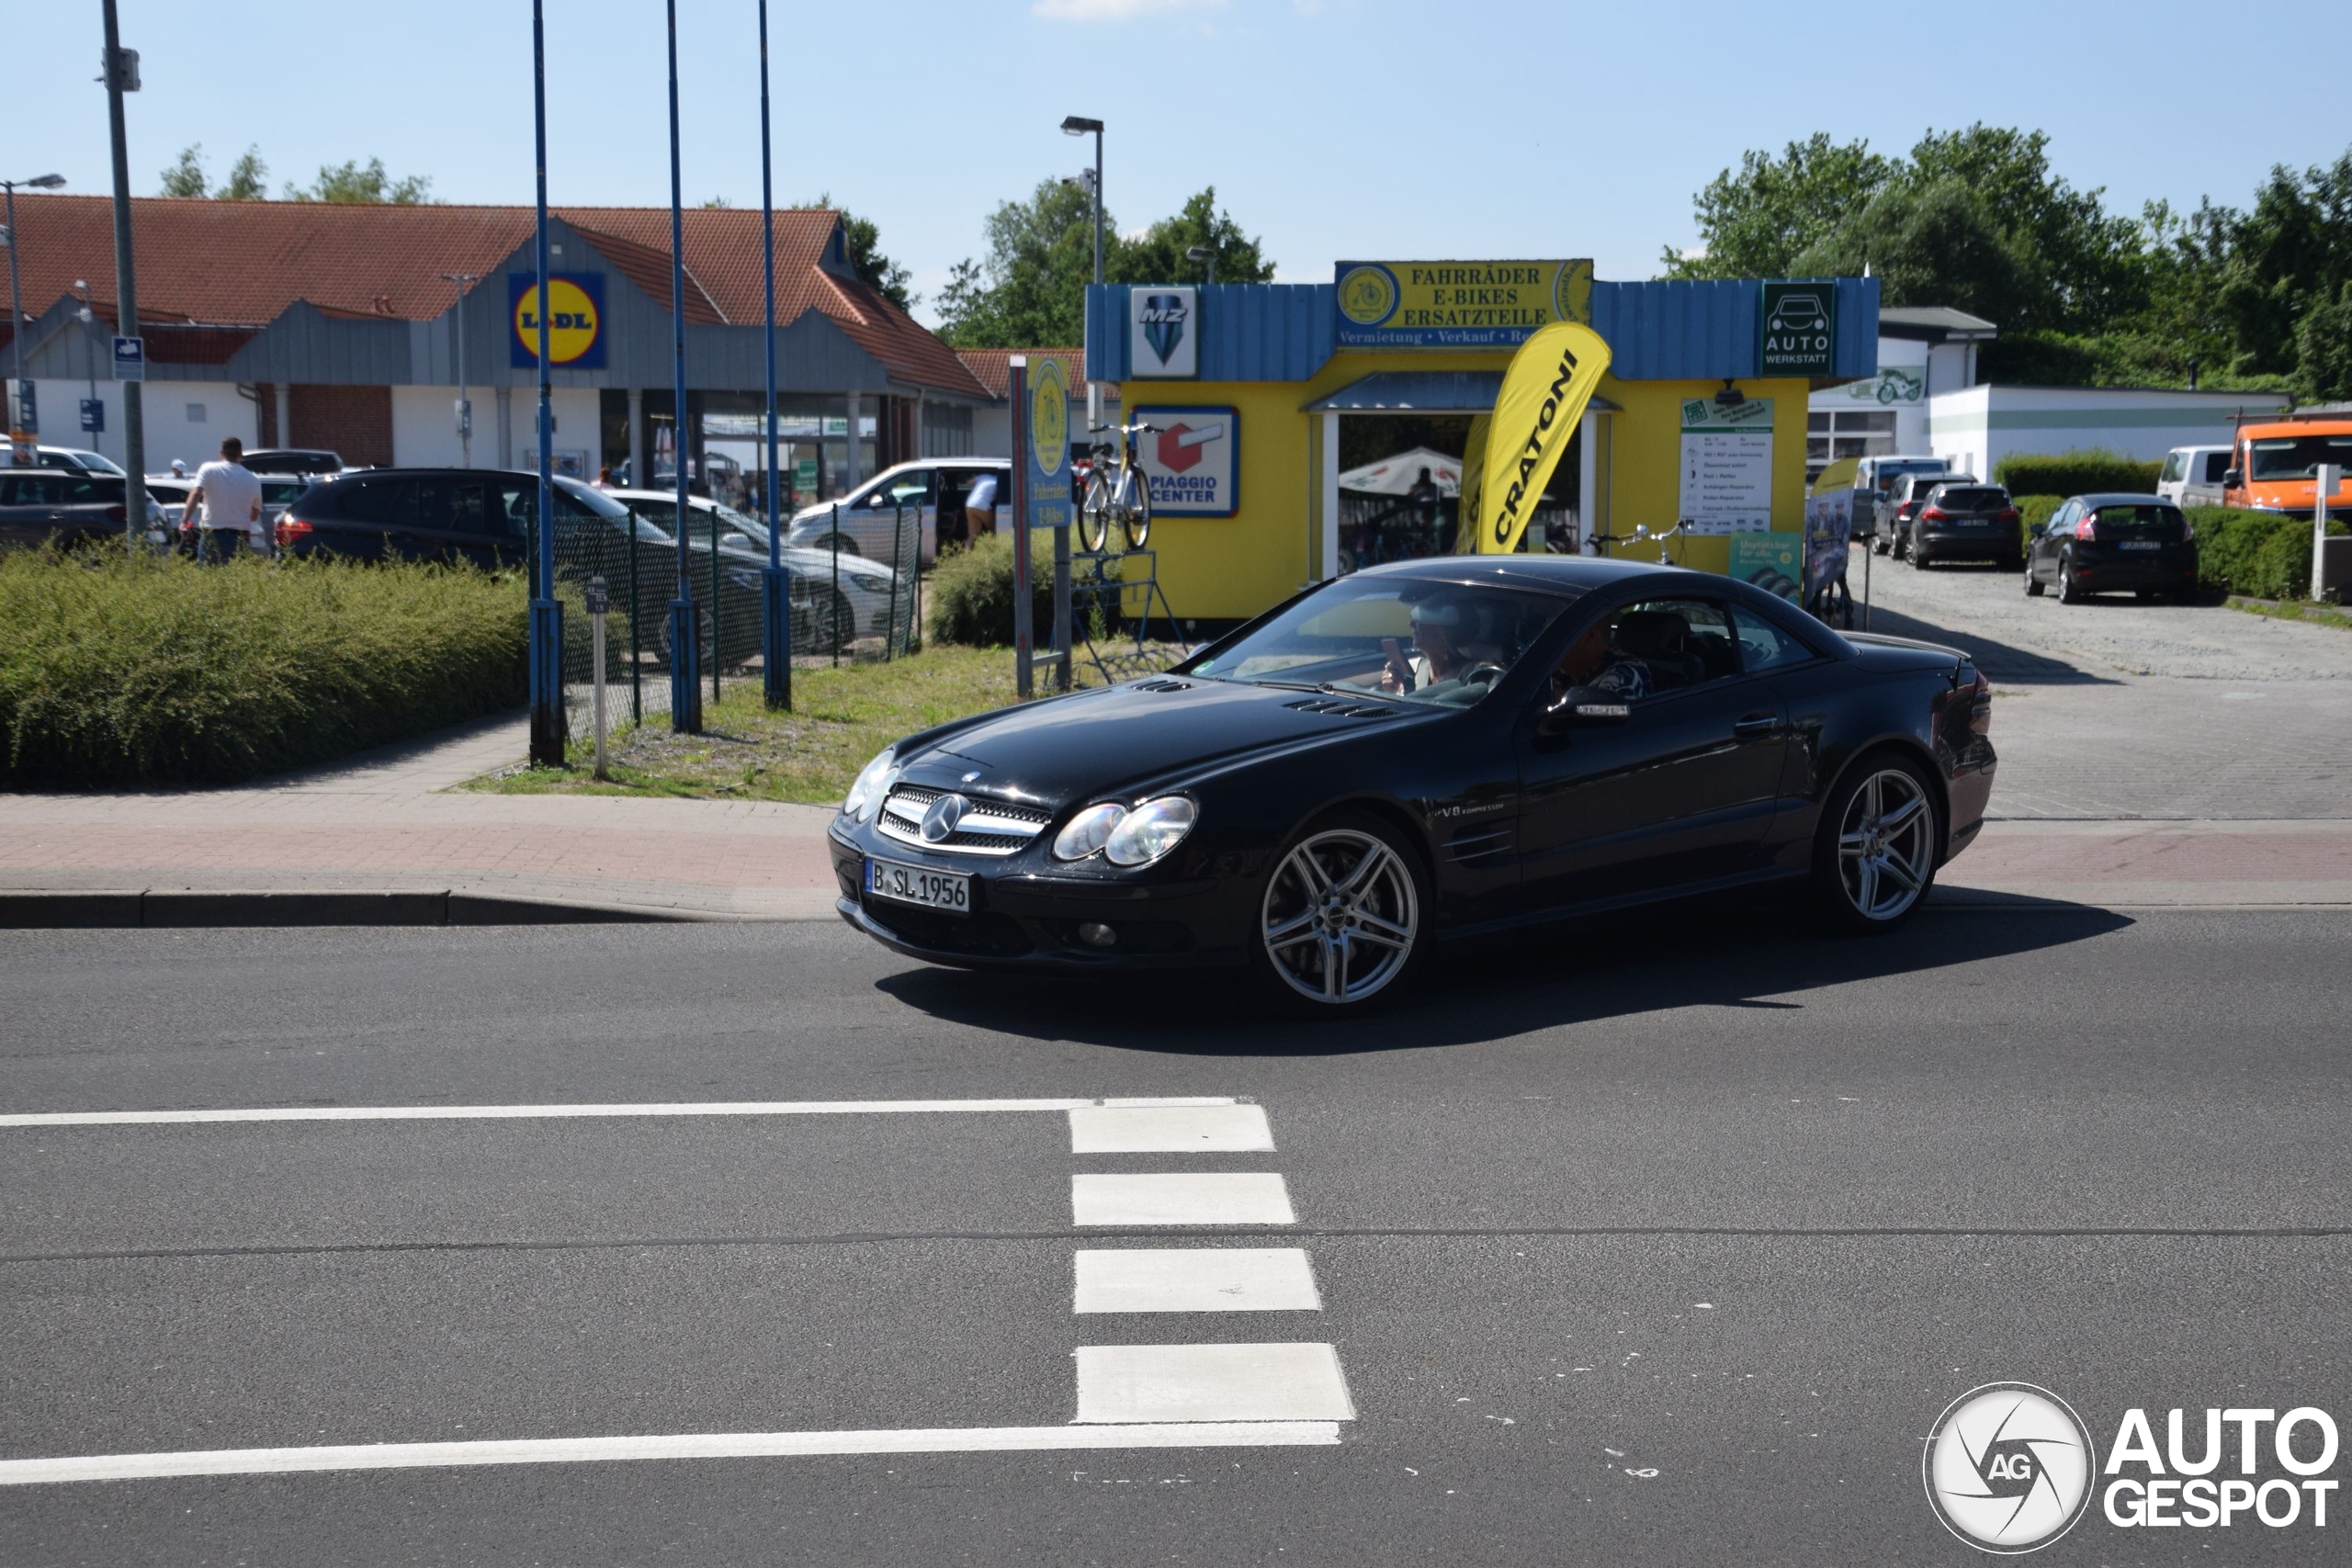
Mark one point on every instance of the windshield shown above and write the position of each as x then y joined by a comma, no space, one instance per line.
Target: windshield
1396,637
2295,457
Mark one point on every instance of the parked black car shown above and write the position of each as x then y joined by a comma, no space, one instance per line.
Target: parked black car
1426,751
42,506
2103,544
308,461
1966,521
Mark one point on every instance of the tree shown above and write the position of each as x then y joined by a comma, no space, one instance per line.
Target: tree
353,184
2324,341
247,181
862,242
1755,223
1937,244
1029,290
1158,254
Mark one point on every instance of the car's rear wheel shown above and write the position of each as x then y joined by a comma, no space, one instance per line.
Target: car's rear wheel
1345,916
1874,856
1918,556
2069,591
824,625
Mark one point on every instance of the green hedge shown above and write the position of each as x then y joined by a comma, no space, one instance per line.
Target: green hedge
2255,553
117,669
971,592
2073,473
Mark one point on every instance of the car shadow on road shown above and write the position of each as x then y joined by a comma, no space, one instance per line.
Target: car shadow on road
2003,662
1756,953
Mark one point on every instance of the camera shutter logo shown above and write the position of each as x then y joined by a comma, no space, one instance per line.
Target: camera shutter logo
2008,1468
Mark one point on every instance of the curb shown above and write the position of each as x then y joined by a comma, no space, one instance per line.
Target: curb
156,908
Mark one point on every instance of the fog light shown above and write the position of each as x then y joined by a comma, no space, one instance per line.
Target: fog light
1094,933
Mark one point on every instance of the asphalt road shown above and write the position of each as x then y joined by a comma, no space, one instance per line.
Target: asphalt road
1661,1246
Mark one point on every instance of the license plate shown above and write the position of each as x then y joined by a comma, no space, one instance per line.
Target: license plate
2141,544
915,885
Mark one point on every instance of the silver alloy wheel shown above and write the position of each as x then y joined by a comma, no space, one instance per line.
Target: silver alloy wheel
1341,917
1886,845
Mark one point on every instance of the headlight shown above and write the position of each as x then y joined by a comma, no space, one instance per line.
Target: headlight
1150,830
1088,831
871,781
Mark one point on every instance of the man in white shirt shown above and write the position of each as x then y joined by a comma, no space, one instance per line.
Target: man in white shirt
229,498
979,507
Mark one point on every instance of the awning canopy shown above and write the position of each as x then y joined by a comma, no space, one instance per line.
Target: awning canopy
1422,391
1399,474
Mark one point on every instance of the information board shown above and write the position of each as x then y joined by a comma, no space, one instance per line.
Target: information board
1726,466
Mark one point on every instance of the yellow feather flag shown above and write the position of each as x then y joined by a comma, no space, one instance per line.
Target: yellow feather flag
1474,471
1551,379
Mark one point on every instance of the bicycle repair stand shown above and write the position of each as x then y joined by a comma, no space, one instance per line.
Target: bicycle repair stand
1098,600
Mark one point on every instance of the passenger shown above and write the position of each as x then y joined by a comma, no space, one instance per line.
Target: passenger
1606,672
1436,655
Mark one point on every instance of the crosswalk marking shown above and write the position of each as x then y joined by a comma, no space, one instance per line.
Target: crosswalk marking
656,1108
1188,1198
1171,1129
690,1445
1196,1279
1211,1383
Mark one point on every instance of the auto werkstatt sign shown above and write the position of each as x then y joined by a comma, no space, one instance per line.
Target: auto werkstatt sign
1800,328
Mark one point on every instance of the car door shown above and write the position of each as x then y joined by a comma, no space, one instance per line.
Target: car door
26,510
2046,546
373,521
1680,791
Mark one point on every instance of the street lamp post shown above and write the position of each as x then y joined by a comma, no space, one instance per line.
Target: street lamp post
547,728
465,406
1079,125
685,630
17,428
775,620
1207,253
122,77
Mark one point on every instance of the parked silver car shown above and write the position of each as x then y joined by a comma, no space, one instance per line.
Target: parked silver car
867,590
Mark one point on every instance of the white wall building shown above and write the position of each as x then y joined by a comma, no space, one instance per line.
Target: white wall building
1977,426
1923,351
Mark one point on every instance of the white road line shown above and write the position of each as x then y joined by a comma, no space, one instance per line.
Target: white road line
1211,1383
692,1445
1196,1279
658,1108
1190,1198
1170,1130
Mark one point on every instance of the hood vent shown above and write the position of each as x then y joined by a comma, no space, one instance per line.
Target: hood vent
1342,707
1162,683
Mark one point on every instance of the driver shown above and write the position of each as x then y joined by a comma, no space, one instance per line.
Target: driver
1436,655
1603,669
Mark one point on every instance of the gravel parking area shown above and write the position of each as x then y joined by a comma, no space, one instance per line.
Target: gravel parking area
2122,709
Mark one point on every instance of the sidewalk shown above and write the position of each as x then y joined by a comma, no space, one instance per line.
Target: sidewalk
388,822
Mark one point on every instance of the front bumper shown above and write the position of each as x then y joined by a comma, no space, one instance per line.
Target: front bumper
1022,918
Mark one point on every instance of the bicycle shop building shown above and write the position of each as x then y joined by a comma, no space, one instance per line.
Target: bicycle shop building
1295,419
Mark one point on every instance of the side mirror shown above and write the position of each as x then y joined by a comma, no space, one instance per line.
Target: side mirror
2232,478
2037,530
735,541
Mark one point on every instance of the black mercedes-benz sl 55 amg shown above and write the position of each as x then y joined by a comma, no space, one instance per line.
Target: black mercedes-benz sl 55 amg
1419,754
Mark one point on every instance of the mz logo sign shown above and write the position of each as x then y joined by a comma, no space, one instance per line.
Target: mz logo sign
1800,328
1163,335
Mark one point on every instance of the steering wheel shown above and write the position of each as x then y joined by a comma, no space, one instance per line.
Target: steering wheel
1482,675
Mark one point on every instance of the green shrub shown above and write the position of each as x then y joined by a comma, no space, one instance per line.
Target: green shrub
2073,473
971,592
2257,553
2033,510
117,670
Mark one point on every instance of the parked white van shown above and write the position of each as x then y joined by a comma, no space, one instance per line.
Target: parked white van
2192,475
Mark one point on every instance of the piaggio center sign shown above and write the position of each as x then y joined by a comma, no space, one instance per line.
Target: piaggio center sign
575,320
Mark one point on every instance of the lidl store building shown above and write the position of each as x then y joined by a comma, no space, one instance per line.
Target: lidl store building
1273,399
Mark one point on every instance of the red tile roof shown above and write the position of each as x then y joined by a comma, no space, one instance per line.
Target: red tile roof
242,263
993,368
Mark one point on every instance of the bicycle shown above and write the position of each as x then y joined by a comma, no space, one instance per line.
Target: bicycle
1117,490
1597,540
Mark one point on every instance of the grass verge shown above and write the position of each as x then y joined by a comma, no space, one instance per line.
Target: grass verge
120,669
839,718
2292,610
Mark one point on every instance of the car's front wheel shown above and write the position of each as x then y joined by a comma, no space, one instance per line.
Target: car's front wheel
1345,916
2032,583
1874,855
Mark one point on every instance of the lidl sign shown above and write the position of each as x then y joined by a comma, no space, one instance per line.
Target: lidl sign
1458,304
575,320
1799,329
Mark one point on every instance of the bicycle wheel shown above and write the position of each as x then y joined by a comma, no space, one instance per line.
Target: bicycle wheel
1094,514
1138,517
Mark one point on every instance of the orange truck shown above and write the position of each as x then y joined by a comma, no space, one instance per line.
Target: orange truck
2274,465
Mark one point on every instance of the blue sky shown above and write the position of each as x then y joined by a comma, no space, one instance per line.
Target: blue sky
1357,129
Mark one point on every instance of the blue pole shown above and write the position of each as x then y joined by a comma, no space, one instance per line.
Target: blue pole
548,729
776,619
685,630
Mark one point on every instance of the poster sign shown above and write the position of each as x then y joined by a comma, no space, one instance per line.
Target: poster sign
1726,466
1458,304
1046,450
1163,330
93,415
1194,463
1828,523
1799,328
1770,562
575,320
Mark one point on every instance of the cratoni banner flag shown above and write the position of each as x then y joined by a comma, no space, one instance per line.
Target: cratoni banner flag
1550,381
1474,476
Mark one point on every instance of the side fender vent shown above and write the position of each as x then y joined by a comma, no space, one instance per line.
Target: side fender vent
1163,684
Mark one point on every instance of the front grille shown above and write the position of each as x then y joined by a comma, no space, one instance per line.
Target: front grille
989,826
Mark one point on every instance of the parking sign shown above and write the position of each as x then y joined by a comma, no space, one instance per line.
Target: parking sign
131,359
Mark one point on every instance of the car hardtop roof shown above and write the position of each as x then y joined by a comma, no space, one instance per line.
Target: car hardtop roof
2123,498
1545,573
